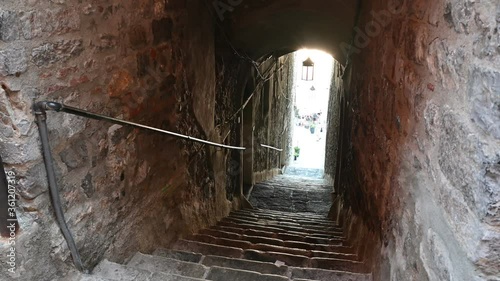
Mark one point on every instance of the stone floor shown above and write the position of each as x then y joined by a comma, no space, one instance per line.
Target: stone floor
315,173
287,236
299,190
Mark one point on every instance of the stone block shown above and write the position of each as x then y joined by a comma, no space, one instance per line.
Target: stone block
113,271
88,185
13,61
9,26
460,15
222,274
328,275
484,95
179,255
457,158
33,182
435,257
162,30
50,53
167,265
261,267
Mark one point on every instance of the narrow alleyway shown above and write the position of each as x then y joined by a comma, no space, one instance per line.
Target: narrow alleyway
286,236
133,131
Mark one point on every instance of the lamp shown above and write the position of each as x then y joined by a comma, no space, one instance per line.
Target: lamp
308,70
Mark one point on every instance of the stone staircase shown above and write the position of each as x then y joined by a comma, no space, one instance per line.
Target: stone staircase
287,237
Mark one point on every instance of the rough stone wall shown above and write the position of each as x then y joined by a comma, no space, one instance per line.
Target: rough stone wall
272,110
333,126
421,146
123,190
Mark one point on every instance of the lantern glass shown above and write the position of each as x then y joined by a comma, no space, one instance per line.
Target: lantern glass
308,70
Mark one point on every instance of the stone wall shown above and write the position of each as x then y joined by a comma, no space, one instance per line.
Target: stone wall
333,123
420,144
123,190
272,106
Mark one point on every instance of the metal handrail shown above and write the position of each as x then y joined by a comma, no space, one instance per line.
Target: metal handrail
271,147
59,107
40,109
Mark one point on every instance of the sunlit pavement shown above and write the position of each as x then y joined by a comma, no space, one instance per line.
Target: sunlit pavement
312,148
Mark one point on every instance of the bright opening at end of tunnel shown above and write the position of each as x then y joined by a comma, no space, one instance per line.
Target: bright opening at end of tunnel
311,98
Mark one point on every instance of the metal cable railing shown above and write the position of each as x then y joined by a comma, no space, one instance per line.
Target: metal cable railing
40,109
271,147
59,107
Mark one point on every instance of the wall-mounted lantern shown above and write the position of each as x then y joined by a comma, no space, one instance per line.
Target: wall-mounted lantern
308,70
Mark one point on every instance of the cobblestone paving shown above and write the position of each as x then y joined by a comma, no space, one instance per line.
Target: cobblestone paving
299,190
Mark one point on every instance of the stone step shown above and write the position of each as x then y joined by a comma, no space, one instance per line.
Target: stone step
158,276
266,267
236,233
248,242
297,260
297,273
292,226
301,220
113,271
179,255
285,215
304,249
167,265
208,249
242,264
84,277
278,229
338,264
273,257
224,274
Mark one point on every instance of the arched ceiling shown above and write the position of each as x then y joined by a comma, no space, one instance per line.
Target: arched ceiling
280,26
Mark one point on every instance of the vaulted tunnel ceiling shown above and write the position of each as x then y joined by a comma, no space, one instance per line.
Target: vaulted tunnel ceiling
280,26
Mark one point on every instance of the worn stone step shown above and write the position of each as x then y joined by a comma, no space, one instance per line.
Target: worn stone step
220,241
237,233
270,214
224,274
113,271
277,229
159,276
272,257
84,277
309,250
288,225
246,241
335,255
261,267
301,221
179,255
338,264
167,265
298,273
208,249
308,215
276,221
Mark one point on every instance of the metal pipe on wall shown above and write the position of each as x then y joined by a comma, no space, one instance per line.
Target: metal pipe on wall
54,191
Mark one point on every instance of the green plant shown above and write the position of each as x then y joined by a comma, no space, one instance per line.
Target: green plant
296,151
